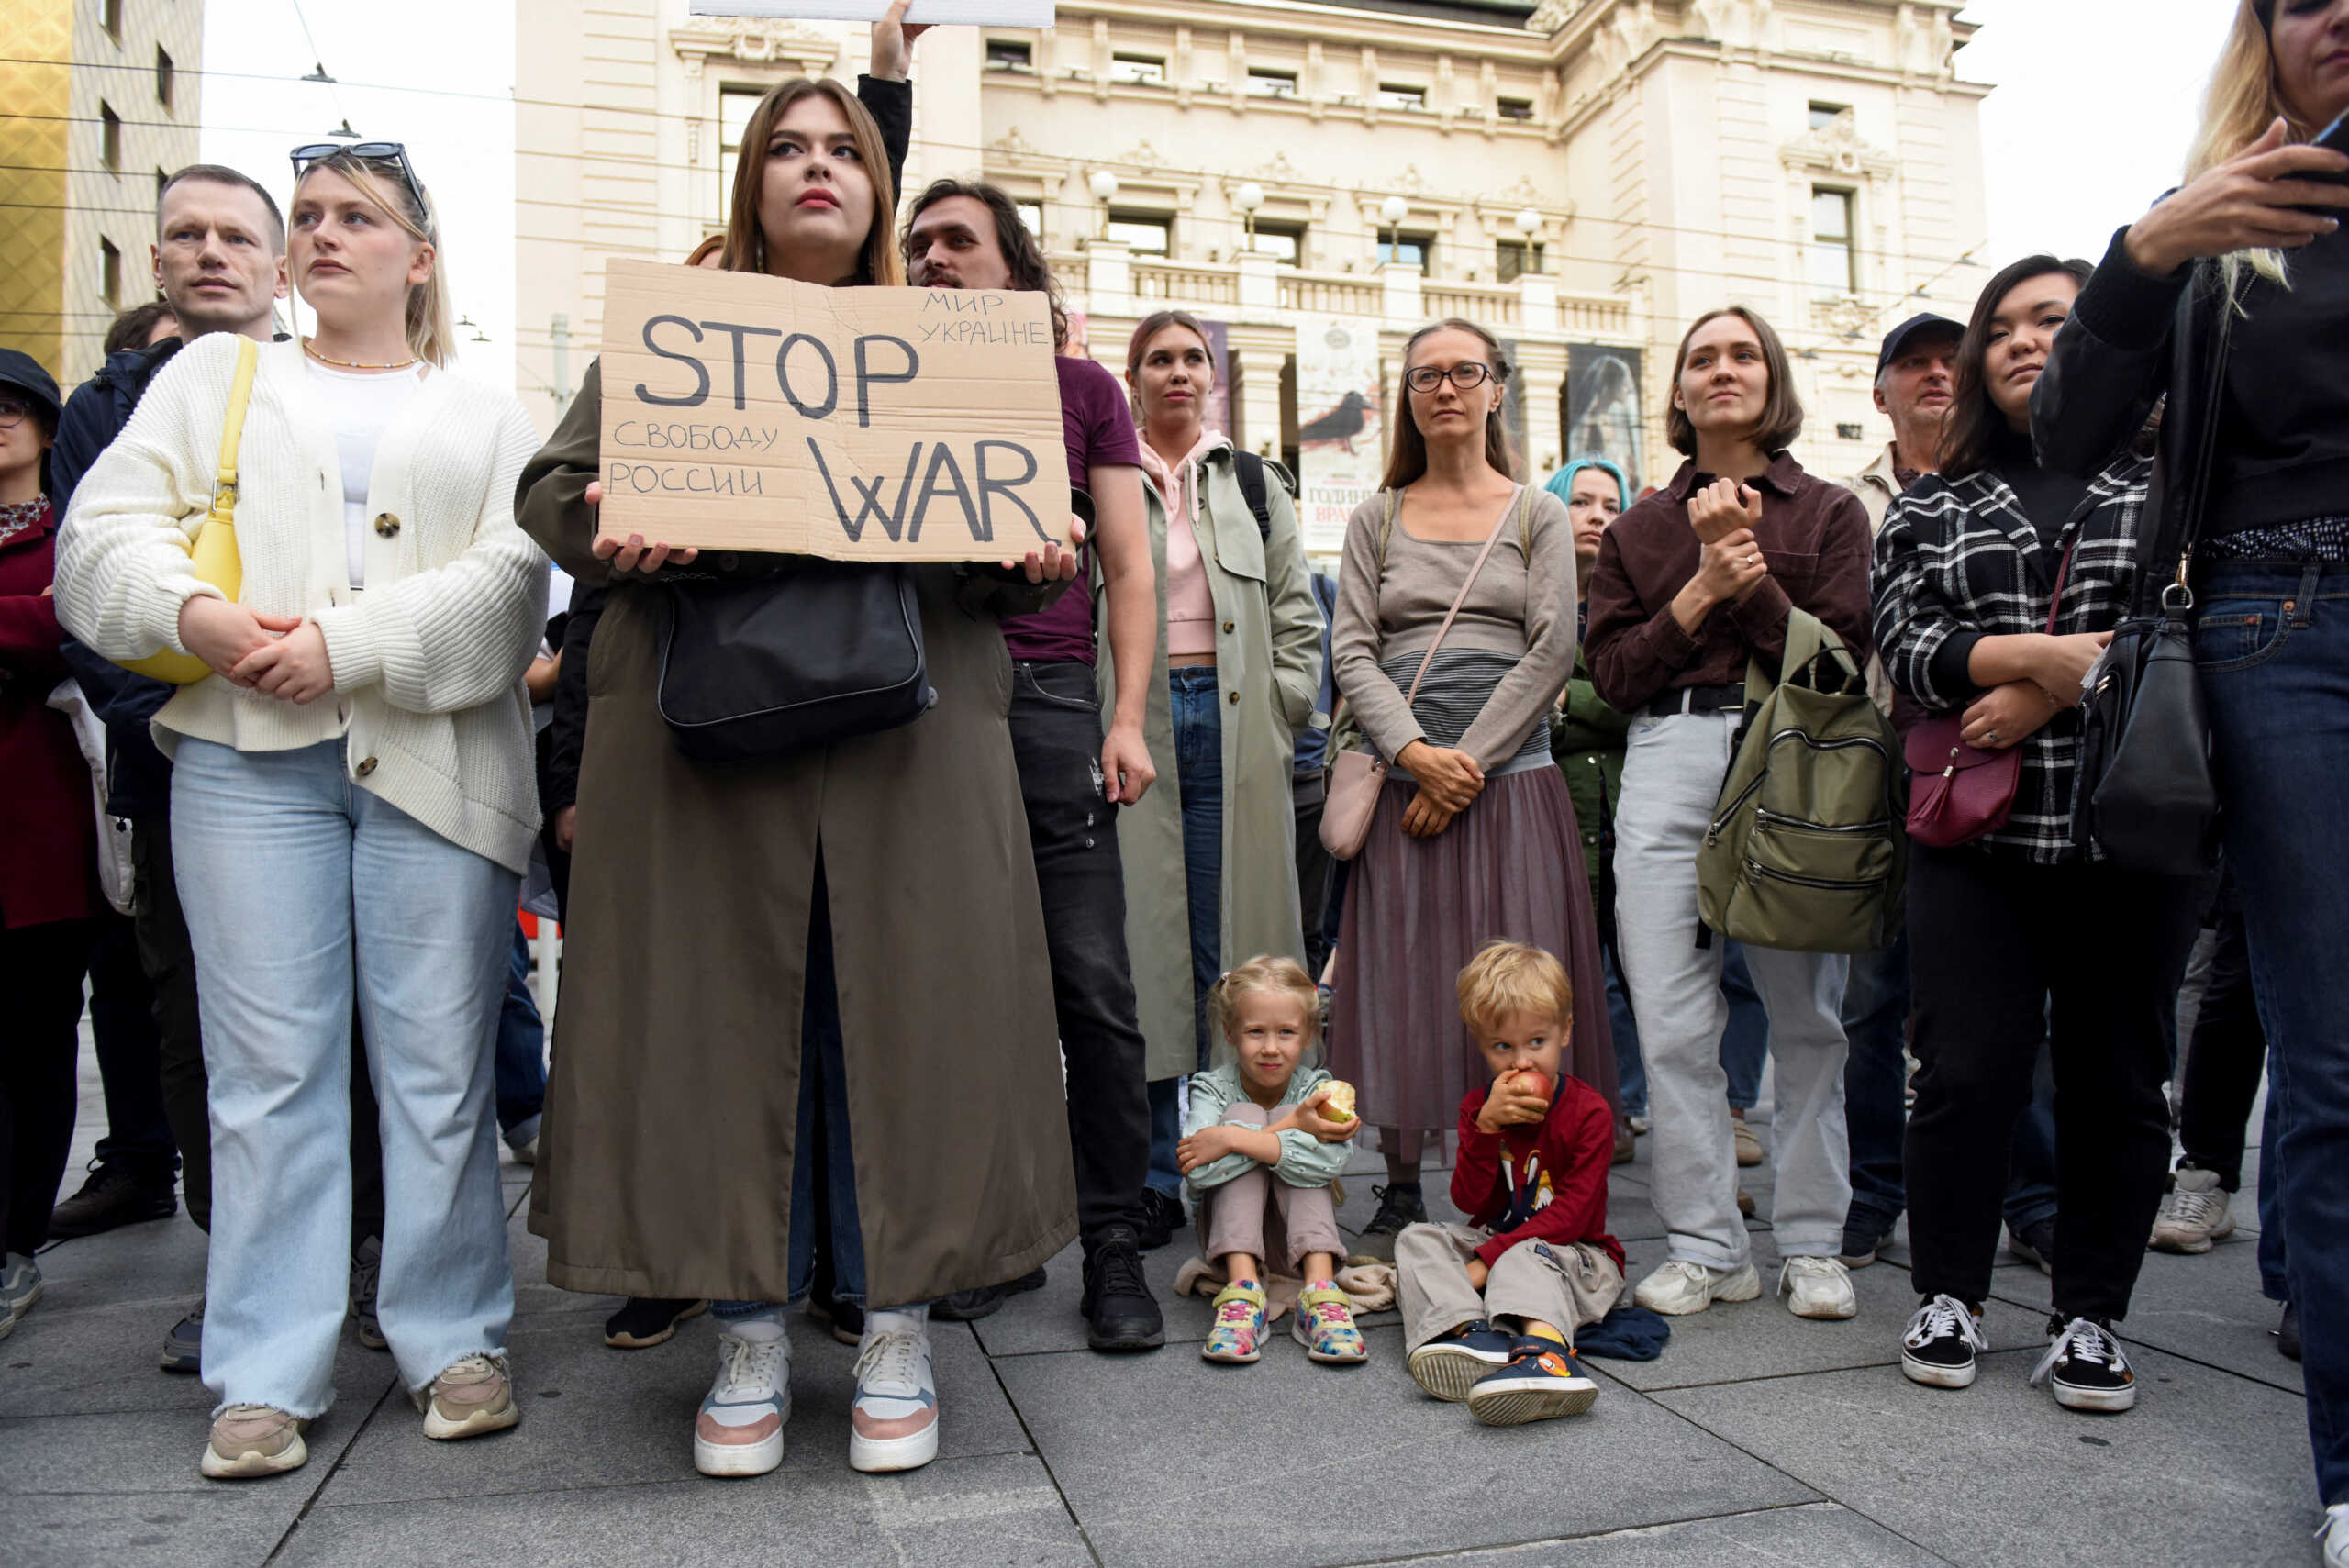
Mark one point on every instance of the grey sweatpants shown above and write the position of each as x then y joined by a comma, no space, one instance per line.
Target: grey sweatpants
1565,1284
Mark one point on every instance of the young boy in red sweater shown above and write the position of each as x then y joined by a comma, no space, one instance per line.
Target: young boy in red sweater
1490,1308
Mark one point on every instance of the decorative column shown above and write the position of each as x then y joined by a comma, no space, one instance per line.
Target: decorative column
1256,407
1541,385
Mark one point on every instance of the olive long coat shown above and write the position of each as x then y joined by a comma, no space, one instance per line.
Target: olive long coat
1268,669
665,1166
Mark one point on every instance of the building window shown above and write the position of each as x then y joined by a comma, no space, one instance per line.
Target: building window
1834,263
1145,234
109,273
1149,70
1263,83
163,77
1033,215
109,138
1007,54
1518,258
1396,95
1513,109
110,18
1411,249
1285,242
1825,115
734,106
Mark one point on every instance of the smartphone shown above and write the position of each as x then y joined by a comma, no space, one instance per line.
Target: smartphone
2333,138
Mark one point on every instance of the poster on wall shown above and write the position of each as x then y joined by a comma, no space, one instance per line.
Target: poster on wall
1340,429
1217,412
1603,408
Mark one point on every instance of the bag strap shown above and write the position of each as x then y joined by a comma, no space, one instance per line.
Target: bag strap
1249,469
2062,575
232,432
1501,525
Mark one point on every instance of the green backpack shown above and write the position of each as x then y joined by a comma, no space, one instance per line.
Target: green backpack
1805,849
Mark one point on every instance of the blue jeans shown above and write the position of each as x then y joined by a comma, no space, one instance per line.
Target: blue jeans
2272,643
303,891
822,1133
1746,1043
1630,1072
1193,697
521,1050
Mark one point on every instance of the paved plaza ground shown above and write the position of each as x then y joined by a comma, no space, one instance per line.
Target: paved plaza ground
1756,1439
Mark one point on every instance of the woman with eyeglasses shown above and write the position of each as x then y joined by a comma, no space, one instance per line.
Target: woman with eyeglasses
1691,586
1210,862
352,800
1475,837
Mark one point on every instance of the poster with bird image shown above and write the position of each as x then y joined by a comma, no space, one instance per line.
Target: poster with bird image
1341,425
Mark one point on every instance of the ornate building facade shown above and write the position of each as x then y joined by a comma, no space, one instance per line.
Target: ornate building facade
1316,180
101,101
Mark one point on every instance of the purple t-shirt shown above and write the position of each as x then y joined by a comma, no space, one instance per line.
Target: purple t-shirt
1098,428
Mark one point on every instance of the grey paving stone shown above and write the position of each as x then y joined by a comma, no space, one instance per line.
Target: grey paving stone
1000,1509
66,1360
1046,1320
221,1524
2206,1307
2208,1469
597,1416
134,1451
1143,1450
1818,1535
153,1261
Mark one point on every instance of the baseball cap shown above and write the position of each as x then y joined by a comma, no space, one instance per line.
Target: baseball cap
1925,323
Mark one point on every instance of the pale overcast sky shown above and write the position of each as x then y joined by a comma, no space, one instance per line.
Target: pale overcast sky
2096,101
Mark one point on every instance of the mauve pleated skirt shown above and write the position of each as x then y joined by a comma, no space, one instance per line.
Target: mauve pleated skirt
1417,910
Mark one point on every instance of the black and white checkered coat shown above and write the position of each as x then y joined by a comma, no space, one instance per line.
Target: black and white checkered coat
1958,555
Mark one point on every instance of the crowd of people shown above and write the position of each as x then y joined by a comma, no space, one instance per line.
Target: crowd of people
1148,1001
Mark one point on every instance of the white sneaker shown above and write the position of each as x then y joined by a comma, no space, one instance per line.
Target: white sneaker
1680,1288
1817,1287
2334,1534
893,1425
2195,1213
740,1428
20,1286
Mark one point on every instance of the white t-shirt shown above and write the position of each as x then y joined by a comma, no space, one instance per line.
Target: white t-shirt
360,406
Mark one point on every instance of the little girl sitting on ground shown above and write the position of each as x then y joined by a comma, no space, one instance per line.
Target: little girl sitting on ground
1263,1145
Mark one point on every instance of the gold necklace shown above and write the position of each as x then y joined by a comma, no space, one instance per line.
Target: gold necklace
354,364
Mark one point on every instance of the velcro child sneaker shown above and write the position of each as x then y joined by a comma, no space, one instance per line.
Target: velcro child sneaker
1237,1337
1449,1366
1324,1325
1542,1381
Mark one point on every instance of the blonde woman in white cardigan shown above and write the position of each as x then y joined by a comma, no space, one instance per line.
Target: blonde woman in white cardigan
352,800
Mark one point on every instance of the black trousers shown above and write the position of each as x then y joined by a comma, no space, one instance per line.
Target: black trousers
123,1023
170,965
1315,870
40,975
2004,954
1056,740
2224,1062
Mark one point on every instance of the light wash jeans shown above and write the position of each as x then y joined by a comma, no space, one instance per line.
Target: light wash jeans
302,890
1672,775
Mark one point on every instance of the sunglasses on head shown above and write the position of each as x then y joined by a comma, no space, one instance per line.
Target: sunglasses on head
393,153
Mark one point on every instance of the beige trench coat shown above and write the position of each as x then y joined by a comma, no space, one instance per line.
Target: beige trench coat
1268,664
665,1165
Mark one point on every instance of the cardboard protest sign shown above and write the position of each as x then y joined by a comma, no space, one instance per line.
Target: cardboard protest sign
988,12
745,412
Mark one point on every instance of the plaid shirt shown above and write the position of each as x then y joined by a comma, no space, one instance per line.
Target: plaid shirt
1958,556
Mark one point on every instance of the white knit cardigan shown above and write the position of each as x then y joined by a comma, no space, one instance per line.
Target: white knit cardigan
428,661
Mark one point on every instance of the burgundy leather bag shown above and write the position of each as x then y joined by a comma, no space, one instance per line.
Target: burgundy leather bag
1958,791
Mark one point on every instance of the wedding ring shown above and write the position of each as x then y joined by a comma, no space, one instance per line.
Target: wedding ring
1752,559
1991,736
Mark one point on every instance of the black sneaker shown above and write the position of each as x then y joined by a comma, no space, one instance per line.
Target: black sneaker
1156,1218
1942,1340
2288,1334
1121,1313
970,1305
648,1321
1399,1204
114,1195
184,1346
1864,1236
366,1268
2085,1366
2034,1244
1449,1366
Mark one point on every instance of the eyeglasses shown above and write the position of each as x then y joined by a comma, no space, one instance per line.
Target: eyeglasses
1464,375
392,153
13,412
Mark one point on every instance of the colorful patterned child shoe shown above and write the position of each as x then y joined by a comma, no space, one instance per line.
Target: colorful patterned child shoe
1324,1325
1449,1366
1542,1379
1238,1336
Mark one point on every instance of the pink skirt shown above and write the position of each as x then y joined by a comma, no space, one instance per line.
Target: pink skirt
1417,910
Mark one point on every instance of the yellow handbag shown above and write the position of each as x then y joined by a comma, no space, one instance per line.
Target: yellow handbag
214,554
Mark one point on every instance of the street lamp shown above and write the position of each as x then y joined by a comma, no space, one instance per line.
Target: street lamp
1394,209
1104,187
1529,224
1248,198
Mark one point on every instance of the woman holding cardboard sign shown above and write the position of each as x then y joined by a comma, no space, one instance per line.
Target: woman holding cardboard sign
845,932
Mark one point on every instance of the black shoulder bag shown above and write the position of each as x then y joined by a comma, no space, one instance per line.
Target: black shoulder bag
2147,796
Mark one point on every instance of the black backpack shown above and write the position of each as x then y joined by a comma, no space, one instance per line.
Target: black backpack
1250,469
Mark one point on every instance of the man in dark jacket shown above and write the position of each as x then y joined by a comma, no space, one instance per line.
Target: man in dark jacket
219,262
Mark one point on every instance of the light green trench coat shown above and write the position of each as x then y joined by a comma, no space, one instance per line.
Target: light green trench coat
1268,664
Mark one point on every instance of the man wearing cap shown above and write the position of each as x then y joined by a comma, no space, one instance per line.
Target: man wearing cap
219,263
1916,377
